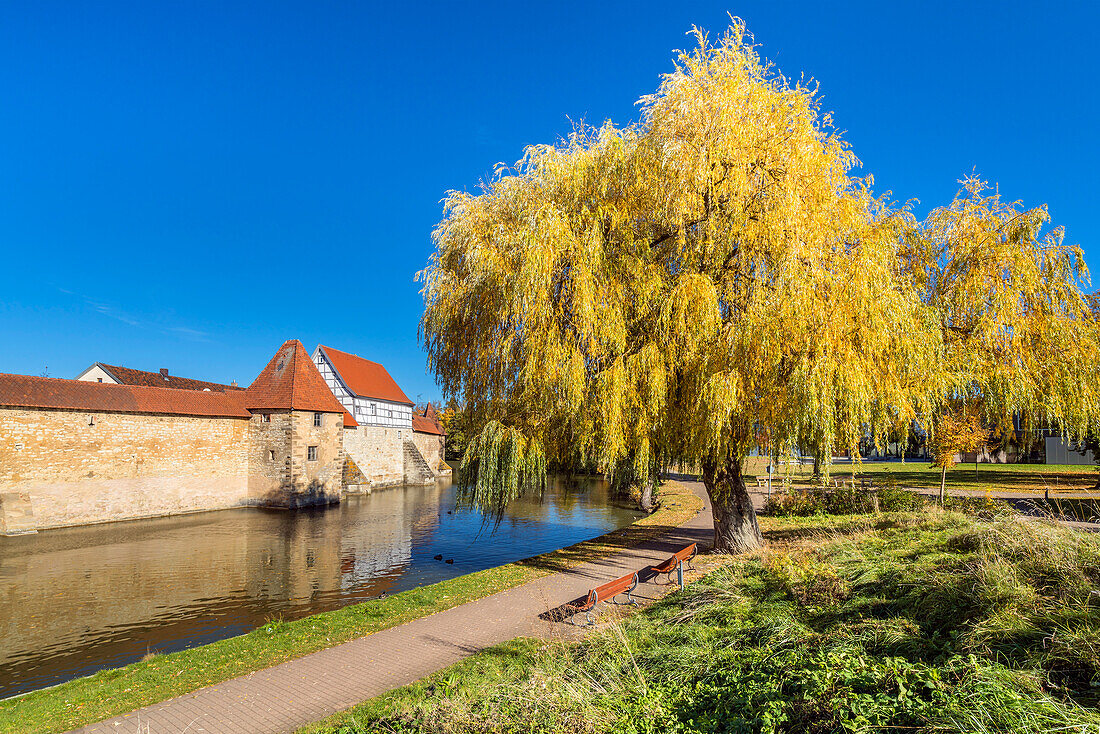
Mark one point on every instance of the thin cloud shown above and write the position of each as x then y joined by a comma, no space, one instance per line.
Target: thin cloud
114,312
190,334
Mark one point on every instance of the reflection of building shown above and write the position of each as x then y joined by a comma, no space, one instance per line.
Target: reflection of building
106,595
381,543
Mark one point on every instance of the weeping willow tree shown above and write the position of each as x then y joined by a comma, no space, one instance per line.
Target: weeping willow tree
675,288
1020,336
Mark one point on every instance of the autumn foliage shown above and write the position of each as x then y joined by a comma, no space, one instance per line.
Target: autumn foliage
670,290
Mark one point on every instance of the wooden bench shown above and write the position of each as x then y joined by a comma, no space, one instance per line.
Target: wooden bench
684,555
626,584
606,593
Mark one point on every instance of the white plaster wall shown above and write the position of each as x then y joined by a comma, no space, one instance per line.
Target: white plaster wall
97,374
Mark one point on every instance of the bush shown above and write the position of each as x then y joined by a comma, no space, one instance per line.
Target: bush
843,501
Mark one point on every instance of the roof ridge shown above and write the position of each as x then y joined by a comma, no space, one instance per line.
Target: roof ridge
350,354
146,378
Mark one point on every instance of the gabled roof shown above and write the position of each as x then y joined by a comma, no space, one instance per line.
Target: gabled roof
24,391
364,378
427,421
130,376
291,381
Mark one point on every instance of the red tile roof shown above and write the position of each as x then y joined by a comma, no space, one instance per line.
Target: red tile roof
349,420
364,378
427,421
130,376
291,381
24,391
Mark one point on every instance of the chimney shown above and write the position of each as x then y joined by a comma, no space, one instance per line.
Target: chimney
233,384
164,372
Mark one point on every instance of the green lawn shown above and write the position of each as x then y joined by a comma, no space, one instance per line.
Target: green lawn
1028,478
112,692
919,622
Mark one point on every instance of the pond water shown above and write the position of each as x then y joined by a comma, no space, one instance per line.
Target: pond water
77,600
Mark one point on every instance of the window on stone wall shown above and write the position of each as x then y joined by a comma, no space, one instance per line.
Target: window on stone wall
317,418
271,455
265,418
311,453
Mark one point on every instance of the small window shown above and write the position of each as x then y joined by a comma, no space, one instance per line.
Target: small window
91,420
271,455
99,379
373,409
389,414
317,419
266,418
311,453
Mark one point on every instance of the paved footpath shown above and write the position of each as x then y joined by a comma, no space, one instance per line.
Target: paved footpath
300,691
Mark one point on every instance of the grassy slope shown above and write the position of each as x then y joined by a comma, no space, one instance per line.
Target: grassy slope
112,692
919,622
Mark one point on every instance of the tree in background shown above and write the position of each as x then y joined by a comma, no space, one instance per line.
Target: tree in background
455,422
958,431
666,291
1019,333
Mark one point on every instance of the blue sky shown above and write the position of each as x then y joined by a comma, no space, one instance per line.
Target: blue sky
186,185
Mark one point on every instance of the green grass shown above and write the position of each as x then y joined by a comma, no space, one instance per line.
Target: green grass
112,692
1024,478
924,622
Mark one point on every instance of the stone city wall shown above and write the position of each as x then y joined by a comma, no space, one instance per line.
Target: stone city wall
379,453
61,467
318,480
431,448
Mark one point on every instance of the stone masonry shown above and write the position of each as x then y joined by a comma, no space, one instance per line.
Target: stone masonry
77,467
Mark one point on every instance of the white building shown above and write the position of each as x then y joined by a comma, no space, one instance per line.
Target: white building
365,388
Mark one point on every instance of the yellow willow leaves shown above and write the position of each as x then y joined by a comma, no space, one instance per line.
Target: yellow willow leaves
690,318
1019,334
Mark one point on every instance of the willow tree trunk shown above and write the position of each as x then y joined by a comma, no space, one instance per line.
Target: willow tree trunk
943,482
735,527
646,500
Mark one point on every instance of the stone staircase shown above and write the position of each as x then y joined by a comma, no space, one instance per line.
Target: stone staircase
417,470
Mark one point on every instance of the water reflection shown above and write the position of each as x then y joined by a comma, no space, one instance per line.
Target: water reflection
78,600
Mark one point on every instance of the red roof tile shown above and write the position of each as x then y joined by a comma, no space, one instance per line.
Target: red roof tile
24,391
427,421
423,425
365,378
130,376
291,381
